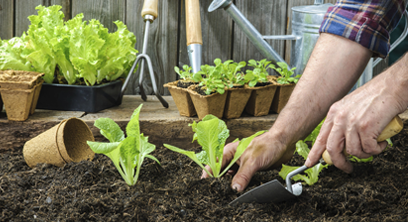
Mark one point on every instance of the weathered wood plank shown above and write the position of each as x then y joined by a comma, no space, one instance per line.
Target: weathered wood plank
216,29
161,125
162,44
268,17
106,11
6,21
23,10
66,7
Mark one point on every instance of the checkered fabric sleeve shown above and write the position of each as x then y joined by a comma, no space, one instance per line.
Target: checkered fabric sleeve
367,22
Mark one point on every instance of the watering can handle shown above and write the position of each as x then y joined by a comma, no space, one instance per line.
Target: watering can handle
150,8
193,22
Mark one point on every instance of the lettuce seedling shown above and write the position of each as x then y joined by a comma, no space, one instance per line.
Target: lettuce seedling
231,75
125,153
303,150
259,73
185,73
211,78
211,133
312,174
286,74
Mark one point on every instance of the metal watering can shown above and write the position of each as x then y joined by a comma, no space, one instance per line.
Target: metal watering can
306,21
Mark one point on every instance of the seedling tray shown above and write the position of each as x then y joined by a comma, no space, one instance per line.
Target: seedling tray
89,99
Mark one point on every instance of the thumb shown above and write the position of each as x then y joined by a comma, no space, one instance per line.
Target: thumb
241,179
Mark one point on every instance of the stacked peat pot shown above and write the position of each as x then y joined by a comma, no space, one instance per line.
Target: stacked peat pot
19,92
225,92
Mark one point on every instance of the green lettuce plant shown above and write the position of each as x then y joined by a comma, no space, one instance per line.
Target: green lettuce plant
185,73
285,73
231,73
211,133
259,73
210,78
126,153
82,51
312,174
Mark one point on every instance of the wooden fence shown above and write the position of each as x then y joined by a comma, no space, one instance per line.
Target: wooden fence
167,39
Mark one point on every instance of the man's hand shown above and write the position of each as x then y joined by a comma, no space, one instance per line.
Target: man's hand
264,152
355,122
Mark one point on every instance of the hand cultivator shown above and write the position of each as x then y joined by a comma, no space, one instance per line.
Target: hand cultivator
149,13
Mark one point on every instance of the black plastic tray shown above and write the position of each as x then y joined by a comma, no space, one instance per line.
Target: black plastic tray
89,99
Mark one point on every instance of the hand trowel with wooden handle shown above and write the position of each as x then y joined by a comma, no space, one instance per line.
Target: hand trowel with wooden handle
274,191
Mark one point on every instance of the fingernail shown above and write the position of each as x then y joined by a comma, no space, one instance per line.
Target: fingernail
236,187
307,162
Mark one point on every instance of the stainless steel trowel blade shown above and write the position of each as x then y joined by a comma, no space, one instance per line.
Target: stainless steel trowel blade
270,192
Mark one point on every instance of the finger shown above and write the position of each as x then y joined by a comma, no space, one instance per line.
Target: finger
244,175
353,144
320,144
335,146
228,155
370,145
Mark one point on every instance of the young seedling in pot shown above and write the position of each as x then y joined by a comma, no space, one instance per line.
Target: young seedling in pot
210,78
211,133
258,76
232,76
285,73
126,153
186,76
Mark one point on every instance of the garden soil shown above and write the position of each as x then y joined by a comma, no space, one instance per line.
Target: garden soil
173,191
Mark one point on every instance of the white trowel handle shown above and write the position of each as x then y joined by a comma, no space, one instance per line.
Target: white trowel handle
392,129
150,8
193,22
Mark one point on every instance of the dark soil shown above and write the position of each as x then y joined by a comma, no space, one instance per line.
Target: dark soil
201,90
185,84
94,191
258,84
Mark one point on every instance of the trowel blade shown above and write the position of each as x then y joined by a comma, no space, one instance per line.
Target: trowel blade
270,192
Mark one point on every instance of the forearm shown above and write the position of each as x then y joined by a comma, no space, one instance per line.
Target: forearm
334,66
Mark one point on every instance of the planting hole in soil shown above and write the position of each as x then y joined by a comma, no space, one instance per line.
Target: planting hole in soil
94,191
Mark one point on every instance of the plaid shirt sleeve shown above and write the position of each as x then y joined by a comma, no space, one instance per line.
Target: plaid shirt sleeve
367,22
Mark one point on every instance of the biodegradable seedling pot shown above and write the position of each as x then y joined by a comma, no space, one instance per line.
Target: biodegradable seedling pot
63,143
260,100
281,97
211,104
236,101
89,99
19,102
182,99
12,79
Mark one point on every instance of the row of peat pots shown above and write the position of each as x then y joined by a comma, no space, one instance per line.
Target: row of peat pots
19,92
256,101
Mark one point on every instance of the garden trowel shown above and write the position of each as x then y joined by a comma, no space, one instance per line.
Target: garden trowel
274,192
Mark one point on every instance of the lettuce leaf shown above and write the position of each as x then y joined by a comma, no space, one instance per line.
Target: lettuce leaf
82,50
11,54
127,154
312,174
212,133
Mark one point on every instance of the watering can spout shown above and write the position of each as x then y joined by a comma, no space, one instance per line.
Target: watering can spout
251,32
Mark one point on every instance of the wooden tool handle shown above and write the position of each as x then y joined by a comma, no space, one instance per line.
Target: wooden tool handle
150,8
193,22
392,129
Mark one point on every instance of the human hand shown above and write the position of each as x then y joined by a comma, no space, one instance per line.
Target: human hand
354,124
264,152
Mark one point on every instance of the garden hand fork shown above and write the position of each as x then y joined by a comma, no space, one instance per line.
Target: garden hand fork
149,13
